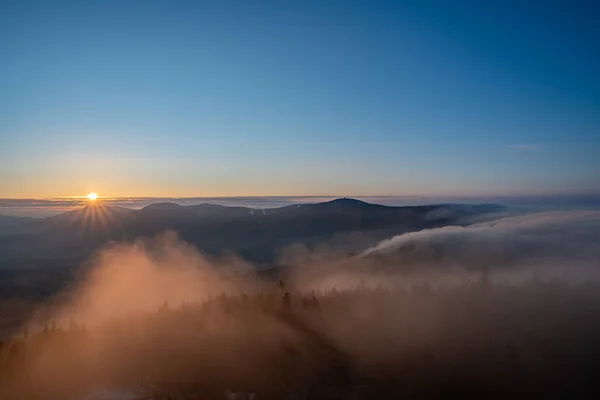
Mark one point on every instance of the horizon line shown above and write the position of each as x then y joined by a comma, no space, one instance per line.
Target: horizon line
100,197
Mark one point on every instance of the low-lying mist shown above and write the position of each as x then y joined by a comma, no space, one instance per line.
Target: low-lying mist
130,278
497,309
561,244
535,239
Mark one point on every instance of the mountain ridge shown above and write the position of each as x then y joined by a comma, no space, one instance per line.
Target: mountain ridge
257,234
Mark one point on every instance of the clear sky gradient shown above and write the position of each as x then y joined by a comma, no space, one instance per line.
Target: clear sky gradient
253,98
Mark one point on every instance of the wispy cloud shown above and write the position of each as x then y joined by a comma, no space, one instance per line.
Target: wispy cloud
527,147
546,240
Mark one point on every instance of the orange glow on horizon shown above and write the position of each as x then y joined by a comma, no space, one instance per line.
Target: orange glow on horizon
92,196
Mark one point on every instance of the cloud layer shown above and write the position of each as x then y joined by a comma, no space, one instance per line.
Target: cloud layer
567,239
154,310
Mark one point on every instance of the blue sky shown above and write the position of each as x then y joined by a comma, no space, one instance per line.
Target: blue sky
225,98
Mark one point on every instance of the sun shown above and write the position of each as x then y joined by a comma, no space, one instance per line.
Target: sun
92,196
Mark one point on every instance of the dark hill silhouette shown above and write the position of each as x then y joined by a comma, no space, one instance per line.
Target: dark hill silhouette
256,234
90,219
163,206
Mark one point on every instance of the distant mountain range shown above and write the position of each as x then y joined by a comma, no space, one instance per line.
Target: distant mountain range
255,234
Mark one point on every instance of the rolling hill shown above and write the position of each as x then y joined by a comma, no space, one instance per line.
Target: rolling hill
256,234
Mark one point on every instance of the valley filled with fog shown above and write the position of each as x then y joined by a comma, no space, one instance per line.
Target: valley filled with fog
341,298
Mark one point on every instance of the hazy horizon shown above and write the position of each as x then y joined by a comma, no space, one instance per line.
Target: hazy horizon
48,207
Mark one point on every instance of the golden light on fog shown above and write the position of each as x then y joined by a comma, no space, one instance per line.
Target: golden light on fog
92,196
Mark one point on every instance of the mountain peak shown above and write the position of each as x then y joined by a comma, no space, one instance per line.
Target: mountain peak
347,201
162,206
